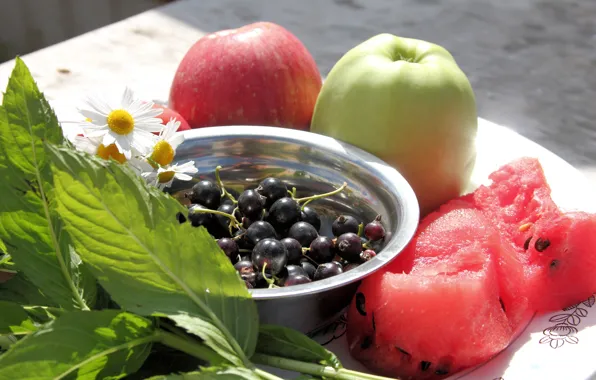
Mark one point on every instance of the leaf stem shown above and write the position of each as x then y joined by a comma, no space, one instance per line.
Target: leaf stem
196,349
313,368
307,200
63,267
266,375
124,346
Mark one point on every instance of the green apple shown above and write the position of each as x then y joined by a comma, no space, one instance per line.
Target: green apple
407,102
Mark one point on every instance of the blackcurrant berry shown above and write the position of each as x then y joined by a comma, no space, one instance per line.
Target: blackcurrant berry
244,266
271,252
368,254
349,246
272,189
309,215
308,267
283,213
304,232
296,279
295,270
251,204
206,193
250,278
294,249
198,218
350,266
327,270
260,230
374,230
223,221
230,248
322,250
343,224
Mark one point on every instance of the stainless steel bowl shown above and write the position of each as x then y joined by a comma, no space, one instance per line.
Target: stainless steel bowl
313,164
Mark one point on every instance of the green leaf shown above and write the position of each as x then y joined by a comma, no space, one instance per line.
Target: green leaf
20,290
291,344
127,232
28,226
213,373
105,344
14,320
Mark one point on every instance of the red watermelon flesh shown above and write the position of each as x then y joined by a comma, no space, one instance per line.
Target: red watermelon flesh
438,246
428,325
518,196
561,260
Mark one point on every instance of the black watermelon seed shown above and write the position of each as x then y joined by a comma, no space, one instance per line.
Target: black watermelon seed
366,342
424,365
180,217
541,244
554,264
502,304
373,322
527,243
441,371
403,351
360,304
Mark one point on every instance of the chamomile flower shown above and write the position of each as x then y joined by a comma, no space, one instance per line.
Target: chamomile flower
95,147
164,150
127,126
165,175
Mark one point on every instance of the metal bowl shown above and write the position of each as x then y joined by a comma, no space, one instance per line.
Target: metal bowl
313,164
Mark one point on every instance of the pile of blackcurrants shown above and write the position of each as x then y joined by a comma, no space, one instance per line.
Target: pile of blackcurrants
272,236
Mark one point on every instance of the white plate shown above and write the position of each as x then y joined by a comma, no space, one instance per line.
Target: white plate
541,351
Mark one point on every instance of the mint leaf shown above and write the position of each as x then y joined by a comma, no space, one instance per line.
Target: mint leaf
127,232
28,226
83,345
291,344
14,320
213,373
20,290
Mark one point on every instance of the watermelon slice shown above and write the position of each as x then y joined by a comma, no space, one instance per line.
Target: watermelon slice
429,324
476,268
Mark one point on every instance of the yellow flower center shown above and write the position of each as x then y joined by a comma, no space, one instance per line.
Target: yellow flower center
110,151
163,154
121,122
165,177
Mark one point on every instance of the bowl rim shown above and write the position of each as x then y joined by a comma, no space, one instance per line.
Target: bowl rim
379,168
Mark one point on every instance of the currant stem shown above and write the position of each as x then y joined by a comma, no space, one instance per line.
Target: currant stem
224,192
360,229
266,375
216,212
313,369
307,200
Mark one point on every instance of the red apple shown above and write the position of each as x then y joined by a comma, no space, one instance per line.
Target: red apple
259,74
169,113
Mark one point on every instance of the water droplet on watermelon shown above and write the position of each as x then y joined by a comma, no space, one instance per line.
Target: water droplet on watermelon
360,304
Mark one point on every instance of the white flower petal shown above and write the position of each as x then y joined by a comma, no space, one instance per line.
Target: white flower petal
143,141
98,105
96,117
109,139
123,145
127,98
85,145
182,177
176,140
